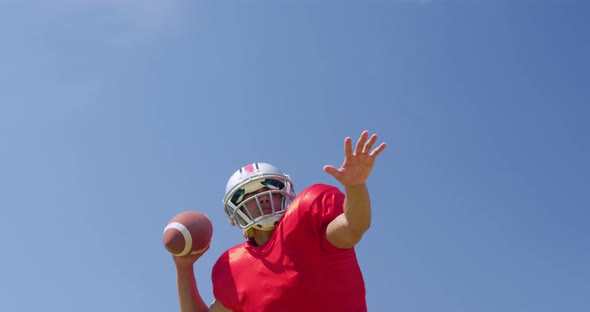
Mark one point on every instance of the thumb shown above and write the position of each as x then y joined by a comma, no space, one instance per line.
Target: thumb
331,170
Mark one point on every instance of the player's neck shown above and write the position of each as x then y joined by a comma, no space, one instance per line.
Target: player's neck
261,237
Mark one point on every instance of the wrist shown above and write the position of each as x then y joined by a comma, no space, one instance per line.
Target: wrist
184,268
183,265
355,187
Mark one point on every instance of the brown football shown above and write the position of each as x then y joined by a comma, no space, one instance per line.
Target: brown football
188,233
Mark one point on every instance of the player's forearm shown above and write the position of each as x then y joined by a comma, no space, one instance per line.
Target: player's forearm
357,209
188,295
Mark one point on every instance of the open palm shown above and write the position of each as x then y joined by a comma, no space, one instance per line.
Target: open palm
357,165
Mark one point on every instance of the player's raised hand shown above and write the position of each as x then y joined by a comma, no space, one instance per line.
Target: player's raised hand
358,163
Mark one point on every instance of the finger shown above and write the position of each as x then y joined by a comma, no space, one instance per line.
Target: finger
348,147
331,170
378,150
369,144
361,142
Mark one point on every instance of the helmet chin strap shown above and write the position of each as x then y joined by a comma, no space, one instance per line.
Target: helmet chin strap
249,233
267,224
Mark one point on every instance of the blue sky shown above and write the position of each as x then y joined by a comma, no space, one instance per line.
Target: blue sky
117,115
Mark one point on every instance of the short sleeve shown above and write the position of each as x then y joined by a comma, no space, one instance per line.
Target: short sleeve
316,207
224,289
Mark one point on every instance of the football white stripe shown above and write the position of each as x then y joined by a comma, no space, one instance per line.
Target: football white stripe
188,240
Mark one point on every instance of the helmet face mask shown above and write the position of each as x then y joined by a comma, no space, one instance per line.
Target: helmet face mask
249,207
263,210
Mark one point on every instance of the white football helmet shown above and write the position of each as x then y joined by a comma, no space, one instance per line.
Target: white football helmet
252,178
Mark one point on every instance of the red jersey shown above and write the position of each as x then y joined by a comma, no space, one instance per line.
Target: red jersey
297,269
